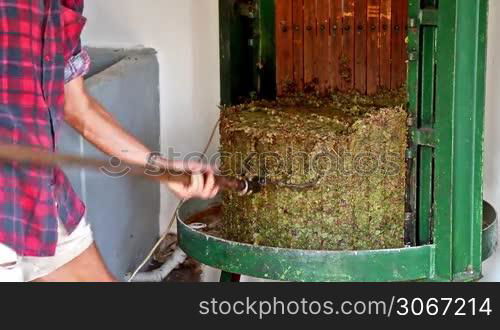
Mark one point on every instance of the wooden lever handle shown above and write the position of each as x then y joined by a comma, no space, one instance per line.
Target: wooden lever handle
224,182
34,156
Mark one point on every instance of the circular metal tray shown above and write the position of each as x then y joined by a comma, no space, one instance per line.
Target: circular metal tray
406,264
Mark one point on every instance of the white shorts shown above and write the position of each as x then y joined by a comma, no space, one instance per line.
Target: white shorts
14,268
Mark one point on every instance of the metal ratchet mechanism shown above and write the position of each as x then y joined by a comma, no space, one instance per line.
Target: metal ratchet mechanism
251,186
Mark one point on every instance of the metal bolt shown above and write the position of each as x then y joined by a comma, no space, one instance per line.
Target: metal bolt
360,27
410,121
347,27
385,27
322,27
296,27
309,28
397,28
409,154
413,23
284,26
373,27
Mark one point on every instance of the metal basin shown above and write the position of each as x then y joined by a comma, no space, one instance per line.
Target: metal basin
490,230
406,264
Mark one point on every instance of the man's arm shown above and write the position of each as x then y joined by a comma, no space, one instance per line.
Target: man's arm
95,124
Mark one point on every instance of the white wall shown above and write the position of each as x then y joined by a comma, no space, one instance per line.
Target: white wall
185,34
492,134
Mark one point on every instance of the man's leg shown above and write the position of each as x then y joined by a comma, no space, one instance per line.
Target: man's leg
76,259
87,267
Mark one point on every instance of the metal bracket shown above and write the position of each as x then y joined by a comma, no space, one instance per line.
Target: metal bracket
424,137
247,10
429,17
421,137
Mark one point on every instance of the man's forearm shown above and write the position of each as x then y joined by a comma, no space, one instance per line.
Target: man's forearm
95,124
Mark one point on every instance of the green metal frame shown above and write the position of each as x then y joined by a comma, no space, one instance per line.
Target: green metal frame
446,86
247,42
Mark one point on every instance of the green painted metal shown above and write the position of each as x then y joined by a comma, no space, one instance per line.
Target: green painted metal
237,52
409,264
461,44
300,265
429,16
228,277
247,50
446,86
424,137
413,103
225,22
267,53
428,22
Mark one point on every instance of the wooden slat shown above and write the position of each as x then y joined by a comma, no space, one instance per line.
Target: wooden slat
310,51
336,44
373,51
324,45
360,53
298,43
347,58
397,32
284,43
385,43
341,45
404,52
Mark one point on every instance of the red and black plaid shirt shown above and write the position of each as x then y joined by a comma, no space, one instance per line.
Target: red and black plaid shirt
39,43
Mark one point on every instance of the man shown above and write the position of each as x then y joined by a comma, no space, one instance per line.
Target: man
43,232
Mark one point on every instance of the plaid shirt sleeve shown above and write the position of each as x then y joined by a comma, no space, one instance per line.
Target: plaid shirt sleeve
74,22
77,66
77,59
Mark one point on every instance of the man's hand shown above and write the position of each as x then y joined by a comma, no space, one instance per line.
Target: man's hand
202,181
